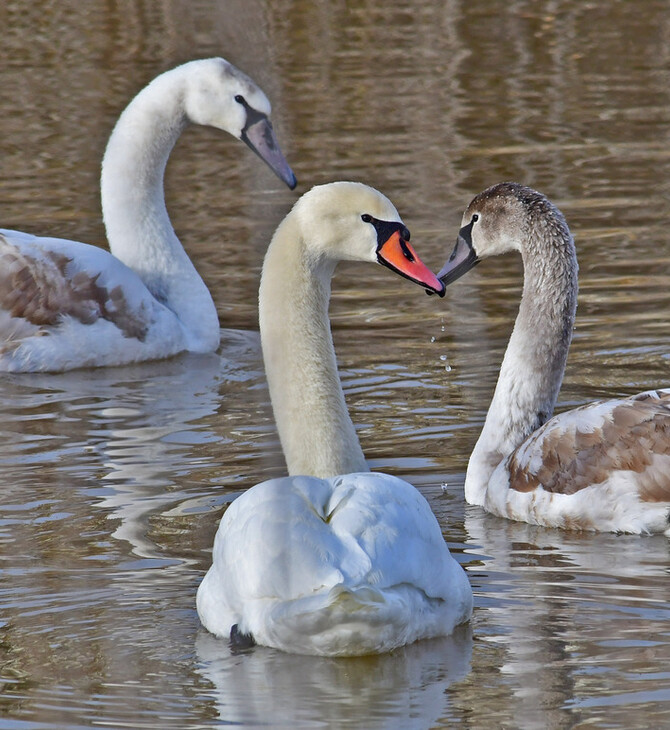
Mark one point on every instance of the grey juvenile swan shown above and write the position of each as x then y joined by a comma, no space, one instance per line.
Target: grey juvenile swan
604,466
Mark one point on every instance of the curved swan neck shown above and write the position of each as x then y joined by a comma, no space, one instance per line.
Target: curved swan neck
133,167
534,363
317,435
138,227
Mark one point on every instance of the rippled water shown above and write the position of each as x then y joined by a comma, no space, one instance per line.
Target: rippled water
113,481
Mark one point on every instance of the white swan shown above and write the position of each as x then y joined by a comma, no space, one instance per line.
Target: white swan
334,559
604,466
65,304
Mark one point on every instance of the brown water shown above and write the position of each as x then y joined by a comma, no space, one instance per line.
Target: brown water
113,481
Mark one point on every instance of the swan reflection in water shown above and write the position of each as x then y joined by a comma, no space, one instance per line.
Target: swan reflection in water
563,614
134,436
403,689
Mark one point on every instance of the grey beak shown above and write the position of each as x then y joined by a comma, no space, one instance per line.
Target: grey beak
462,258
260,136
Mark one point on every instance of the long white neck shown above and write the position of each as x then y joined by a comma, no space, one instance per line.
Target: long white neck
133,205
317,435
532,369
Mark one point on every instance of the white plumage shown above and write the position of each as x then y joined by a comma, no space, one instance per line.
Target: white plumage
325,561
65,304
353,564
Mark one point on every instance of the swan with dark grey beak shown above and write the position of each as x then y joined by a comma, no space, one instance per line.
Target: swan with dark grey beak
65,304
604,466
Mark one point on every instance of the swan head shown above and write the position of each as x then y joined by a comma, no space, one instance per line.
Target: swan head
349,221
219,95
501,219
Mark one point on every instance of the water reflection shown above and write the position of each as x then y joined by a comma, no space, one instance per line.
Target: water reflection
568,613
405,689
141,428
112,483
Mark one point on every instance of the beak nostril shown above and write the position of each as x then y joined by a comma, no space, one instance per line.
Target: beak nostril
406,250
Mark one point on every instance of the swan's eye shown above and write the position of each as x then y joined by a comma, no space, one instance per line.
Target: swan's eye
366,218
239,99
474,218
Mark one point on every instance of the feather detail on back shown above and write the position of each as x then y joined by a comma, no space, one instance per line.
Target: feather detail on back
350,565
43,286
585,446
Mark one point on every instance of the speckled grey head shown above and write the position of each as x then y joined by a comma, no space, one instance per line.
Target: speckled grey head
501,219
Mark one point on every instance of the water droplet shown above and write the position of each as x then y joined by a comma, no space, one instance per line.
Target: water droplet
444,486
443,357
432,339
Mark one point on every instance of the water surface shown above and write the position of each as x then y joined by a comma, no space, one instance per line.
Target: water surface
113,481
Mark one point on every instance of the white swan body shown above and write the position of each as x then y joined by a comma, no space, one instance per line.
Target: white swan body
65,304
604,466
326,561
352,564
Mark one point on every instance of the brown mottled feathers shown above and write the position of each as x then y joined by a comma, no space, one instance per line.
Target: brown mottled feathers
42,291
634,435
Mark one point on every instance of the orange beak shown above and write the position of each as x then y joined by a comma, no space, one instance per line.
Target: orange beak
398,255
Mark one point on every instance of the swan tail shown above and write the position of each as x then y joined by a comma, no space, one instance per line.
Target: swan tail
352,621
